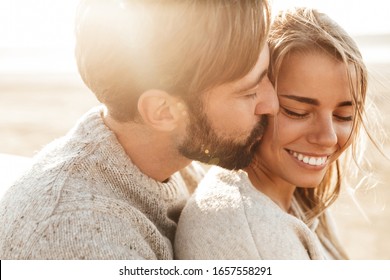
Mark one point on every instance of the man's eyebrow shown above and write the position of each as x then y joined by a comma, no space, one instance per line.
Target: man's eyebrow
313,101
258,80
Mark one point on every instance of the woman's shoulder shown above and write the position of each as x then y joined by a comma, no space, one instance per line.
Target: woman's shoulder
219,189
213,224
216,204
226,191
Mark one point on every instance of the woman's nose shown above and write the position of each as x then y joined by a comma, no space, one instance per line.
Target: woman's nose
323,132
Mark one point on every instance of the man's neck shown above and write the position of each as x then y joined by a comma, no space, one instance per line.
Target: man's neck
151,151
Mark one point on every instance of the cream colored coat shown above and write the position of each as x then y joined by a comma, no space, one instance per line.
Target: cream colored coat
227,218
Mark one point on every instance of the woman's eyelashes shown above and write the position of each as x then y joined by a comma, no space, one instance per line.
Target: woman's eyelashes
344,118
300,115
293,114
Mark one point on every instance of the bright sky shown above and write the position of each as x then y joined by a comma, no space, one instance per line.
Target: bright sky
30,23
47,25
356,17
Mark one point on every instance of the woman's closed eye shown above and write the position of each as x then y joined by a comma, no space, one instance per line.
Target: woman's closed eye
301,115
343,118
293,114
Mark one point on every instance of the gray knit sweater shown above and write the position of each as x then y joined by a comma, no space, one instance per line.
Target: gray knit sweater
83,198
227,218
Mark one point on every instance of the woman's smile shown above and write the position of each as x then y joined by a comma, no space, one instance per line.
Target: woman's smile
309,160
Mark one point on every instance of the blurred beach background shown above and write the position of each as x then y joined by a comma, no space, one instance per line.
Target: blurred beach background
42,96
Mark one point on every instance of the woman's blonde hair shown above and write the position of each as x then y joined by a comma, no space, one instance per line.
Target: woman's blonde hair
306,30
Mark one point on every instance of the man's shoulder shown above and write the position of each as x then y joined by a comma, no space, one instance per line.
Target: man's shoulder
81,227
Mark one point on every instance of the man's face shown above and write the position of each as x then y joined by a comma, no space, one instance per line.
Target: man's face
229,120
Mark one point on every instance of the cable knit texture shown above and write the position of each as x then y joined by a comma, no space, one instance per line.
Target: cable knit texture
83,198
227,218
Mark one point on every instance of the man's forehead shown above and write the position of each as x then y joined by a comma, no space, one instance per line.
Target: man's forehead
250,80
256,74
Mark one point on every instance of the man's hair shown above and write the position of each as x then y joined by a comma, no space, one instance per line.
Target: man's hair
183,47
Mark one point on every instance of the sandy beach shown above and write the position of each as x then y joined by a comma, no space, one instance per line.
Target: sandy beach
38,107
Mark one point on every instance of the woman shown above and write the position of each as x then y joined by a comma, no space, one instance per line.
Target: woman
276,207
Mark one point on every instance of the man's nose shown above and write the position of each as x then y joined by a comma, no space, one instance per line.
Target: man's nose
268,103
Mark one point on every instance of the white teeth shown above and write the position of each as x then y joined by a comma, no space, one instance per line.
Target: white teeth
315,161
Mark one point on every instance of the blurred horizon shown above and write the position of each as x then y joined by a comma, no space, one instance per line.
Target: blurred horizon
38,36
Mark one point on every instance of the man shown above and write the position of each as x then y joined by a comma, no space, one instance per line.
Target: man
179,80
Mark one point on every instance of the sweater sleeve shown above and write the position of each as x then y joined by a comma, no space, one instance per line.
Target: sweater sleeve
90,235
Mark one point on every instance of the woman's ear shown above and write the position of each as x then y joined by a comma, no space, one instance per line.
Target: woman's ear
160,110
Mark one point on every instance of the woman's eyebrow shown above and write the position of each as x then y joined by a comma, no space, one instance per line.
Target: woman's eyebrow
345,103
302,99
313,101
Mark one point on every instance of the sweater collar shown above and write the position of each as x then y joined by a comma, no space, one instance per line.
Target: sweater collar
93,131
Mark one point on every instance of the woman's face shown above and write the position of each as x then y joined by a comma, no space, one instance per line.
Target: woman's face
314,122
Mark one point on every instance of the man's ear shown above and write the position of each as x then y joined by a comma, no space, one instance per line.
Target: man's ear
160,110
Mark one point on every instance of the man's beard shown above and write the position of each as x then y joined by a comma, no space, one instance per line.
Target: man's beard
203,144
